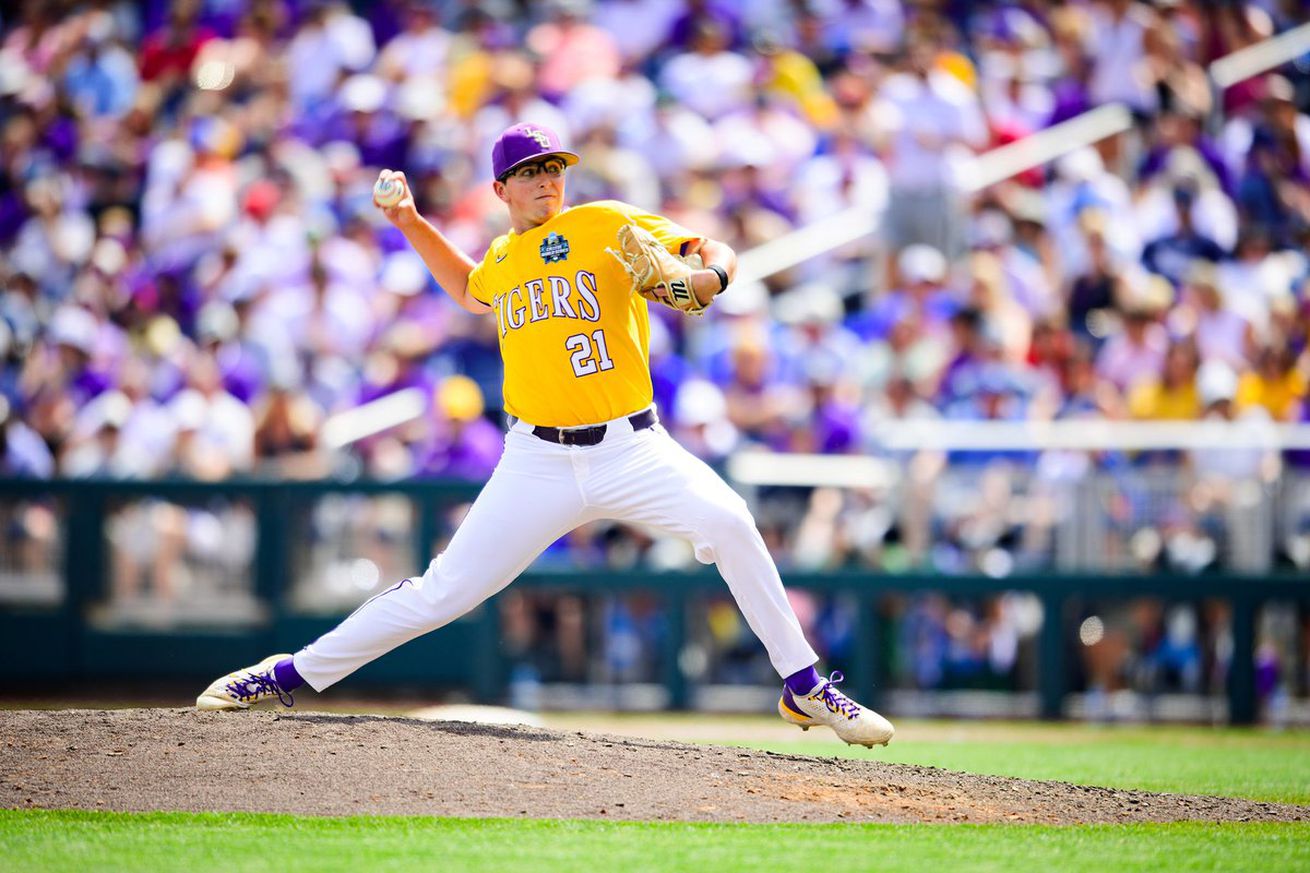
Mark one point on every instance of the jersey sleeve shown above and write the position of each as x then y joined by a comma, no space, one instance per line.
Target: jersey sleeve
476,285
672,235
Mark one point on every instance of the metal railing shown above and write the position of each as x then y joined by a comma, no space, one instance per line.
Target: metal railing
60,638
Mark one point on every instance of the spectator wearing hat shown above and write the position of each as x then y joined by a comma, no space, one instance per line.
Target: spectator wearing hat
69,363
1136,352
1223,471
463,443
1173,254
124,432
923,297
1221,333
988,390
215,431
700,413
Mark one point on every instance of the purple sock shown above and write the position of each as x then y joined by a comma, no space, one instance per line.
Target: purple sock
803,681
284,672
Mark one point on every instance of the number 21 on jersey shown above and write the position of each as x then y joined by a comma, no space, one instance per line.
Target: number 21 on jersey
584,364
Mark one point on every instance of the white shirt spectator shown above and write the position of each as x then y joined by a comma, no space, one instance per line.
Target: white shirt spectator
343,325
51,251
712,85
1083,183
830,182
415,53
624,102
791,140
1250,286
314,64
223,427
1221,335
1125,363
680,140
1116,46
352,37
184,215
935,123
350,263
278,245
146,434
1015,104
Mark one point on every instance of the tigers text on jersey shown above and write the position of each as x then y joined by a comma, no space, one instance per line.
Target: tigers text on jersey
573,335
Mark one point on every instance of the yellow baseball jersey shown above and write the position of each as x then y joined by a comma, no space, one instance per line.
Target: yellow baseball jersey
574,336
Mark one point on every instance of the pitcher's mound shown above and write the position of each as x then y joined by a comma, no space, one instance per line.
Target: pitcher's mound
319,764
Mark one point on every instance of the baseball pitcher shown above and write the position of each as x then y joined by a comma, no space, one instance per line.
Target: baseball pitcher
569,290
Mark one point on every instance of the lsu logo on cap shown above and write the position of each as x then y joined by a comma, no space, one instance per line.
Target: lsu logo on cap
539,136
554,248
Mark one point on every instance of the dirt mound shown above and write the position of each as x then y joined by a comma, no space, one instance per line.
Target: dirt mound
320,764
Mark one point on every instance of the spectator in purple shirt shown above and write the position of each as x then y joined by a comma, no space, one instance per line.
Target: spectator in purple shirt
464,444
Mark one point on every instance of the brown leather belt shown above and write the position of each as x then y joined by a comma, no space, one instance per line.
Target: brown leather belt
590,436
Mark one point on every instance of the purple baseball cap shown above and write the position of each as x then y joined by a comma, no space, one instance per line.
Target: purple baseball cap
526,142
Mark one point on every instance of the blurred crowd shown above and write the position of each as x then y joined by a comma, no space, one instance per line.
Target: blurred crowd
195,280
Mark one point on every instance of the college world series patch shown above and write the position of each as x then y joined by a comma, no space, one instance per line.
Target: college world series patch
554,248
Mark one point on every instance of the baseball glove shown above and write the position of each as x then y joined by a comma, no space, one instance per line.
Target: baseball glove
656,273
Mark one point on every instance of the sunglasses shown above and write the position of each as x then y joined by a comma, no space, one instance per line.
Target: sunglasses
528,172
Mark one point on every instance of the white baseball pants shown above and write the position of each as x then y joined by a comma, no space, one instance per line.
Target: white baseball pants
541,491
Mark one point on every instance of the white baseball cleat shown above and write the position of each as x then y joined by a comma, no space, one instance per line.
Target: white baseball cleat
857,725
241,688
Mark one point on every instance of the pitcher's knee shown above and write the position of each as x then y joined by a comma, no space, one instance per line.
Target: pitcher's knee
449,592
727,522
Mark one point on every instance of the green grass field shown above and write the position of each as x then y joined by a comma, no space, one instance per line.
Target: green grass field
1231,763
1234,762
1245,763
78,841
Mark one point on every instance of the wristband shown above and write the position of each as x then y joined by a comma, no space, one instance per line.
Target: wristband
722,274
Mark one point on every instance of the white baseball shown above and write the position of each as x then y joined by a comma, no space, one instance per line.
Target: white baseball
388,192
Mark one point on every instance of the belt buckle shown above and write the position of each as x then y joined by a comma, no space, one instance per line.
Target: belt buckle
560,435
